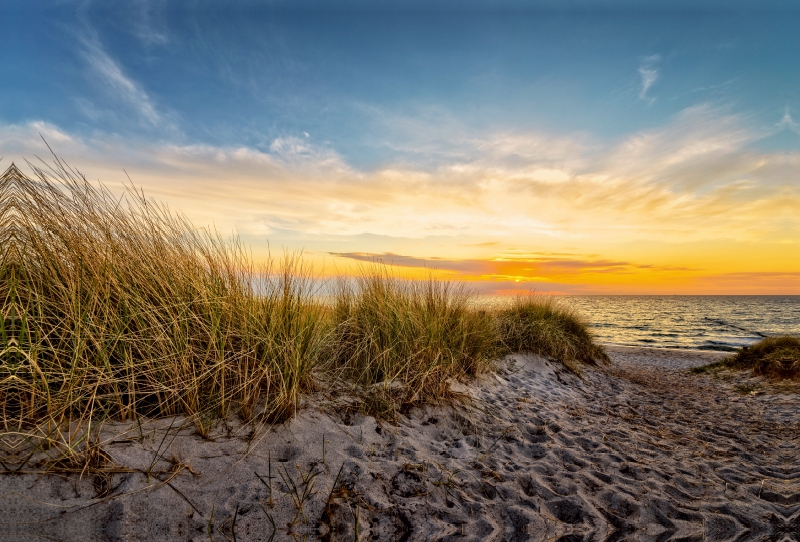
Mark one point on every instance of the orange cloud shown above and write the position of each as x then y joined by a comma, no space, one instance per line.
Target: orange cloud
517,269
572,274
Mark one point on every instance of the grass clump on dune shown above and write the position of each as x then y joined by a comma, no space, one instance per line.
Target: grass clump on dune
773,357
546,327
119,308
401,341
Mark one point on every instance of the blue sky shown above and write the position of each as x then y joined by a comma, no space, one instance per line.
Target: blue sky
247,76
427,106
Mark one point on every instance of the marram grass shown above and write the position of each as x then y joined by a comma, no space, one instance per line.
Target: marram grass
402,341
773,357
546,327
117,308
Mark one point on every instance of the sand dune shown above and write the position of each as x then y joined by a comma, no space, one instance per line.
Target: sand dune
636,450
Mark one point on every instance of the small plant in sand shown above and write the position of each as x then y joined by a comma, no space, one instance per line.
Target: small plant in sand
544,326
748,388
773,357
401,341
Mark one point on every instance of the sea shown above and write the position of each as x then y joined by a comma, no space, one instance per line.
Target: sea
716,322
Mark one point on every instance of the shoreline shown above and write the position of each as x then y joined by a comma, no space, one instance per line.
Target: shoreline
638,449
675,348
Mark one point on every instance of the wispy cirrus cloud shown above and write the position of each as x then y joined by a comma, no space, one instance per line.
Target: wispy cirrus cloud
788,123
148,22
111,74
649,75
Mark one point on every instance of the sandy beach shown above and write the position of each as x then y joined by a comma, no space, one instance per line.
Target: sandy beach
639,449
400,270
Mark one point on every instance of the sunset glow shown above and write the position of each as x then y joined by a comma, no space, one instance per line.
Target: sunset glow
660,156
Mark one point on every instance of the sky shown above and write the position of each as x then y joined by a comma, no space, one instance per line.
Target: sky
570,147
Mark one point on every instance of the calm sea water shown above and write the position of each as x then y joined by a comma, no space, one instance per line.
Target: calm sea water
703,322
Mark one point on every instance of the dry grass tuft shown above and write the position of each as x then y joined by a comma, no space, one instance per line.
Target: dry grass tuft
773,357
402,341
546,327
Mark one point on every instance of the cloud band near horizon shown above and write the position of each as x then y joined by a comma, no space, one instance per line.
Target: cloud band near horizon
694,184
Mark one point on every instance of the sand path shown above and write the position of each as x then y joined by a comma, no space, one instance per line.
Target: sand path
637,450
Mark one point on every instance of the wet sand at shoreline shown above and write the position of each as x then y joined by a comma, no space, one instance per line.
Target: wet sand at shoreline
639,449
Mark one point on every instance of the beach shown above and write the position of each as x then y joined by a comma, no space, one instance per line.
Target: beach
636,449
441,270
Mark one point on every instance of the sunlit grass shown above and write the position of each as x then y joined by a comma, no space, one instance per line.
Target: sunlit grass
402,341
117,308
544,326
